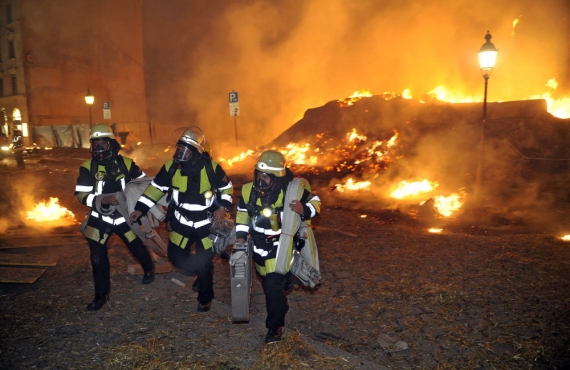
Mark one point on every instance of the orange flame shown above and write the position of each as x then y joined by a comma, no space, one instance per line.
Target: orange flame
353,186
406,189
354,98
446,206
49,211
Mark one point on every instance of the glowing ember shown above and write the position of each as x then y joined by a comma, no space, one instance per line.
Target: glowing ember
353,186
406,189
514,25
363,216
447,205
434,230
566,238
49,211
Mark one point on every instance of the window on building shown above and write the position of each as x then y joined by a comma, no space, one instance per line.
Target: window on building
11,51
14,85
1,87
8,13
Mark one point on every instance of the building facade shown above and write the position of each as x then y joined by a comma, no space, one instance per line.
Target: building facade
53,52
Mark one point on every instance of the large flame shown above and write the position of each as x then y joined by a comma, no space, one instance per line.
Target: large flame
405,189
49,211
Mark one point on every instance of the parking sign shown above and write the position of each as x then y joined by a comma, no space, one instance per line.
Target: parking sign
234,104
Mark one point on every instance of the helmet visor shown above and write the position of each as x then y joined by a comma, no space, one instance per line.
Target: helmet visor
99,146
182,153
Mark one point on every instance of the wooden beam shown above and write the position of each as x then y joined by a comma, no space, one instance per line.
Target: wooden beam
158,269
7,259
20,275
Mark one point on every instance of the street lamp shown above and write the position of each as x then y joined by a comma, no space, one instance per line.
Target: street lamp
89,100
487,58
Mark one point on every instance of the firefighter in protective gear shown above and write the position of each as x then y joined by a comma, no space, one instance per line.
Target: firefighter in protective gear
106,173
259,214
200,188
17,147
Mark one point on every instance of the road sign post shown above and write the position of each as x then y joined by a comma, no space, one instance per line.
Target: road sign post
106,110
234,109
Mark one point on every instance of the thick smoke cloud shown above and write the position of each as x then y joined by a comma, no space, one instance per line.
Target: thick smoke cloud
284,57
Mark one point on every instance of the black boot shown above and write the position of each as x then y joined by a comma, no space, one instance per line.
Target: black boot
196,285
98,302
204,306
148,277
274,335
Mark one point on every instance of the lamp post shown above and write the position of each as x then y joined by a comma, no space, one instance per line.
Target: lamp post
89,100
487,58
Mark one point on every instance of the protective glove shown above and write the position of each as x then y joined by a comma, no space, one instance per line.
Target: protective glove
306,273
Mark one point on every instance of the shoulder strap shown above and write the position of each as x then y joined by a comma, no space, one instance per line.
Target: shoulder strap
210,172
123,167
252,201
94,167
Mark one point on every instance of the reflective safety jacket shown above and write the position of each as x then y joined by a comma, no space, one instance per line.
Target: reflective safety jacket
264,230
193,196
95,179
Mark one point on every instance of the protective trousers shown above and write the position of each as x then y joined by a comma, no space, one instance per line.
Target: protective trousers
200,263
275,300
100,259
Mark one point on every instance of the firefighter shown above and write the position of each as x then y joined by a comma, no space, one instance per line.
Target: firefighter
106,173
17,147
201,194
259,214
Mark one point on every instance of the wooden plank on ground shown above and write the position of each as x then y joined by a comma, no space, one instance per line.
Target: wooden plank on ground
158,269
20,275
8,237
7,259
39,243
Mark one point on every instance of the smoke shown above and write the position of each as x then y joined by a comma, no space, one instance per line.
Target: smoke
286,57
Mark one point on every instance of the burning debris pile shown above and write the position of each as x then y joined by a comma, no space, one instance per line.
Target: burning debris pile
404,151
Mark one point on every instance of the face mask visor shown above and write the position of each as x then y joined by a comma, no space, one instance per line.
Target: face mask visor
182,153
100,146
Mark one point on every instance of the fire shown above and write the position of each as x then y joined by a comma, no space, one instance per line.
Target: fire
238,158
435,230
354,97
446,206
557,107
353,186
565,238
406,189
49,211
297,154
354,135
515,24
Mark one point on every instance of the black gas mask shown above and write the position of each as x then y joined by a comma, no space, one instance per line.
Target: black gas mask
266,182
104,151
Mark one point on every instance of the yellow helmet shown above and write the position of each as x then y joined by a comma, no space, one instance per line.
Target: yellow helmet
100,131
271,162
